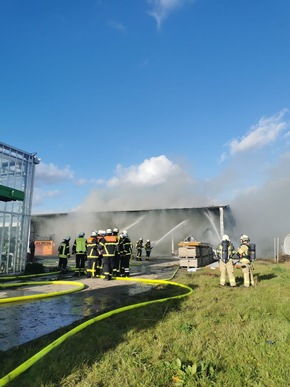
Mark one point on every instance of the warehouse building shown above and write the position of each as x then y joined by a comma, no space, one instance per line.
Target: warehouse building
165,228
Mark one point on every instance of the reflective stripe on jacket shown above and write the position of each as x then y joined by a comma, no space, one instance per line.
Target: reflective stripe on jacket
63,250
109,244
231,250
125,247
92,251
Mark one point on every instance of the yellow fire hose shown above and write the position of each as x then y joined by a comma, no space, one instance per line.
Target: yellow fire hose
30,362
16,277
78,286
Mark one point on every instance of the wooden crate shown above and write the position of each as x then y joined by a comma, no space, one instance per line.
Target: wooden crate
195,254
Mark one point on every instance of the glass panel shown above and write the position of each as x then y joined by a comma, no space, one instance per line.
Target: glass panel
16,171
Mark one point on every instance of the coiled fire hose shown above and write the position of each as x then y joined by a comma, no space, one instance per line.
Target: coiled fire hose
30,362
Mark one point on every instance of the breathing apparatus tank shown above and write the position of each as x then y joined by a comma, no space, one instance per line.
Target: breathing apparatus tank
225,251
252,251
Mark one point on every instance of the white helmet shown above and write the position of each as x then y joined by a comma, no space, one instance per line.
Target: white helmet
148,240
81,234
116,229
244,238
94,233
101,232
109,231
125,233
140,239
225,237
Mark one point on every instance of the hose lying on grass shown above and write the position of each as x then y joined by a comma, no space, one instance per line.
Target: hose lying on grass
30,362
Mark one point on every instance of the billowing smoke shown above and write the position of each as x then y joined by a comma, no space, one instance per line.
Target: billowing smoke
155,183
139,200
253,180
263,211
165,228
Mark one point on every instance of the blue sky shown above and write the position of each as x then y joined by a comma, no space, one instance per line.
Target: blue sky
135,104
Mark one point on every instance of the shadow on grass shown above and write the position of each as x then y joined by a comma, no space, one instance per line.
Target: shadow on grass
258,278
265,277
90,345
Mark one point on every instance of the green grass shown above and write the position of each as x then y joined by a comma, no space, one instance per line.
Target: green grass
213,337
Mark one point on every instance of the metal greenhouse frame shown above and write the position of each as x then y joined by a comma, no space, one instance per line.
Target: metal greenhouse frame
16,189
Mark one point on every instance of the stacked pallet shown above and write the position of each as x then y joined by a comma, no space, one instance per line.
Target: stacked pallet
195,254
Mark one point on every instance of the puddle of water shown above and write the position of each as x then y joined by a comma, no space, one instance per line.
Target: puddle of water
21,322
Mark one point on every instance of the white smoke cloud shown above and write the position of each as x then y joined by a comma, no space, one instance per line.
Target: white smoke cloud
155,183
40,195
263,211
256,187
151,172
160,9
265,132
50,174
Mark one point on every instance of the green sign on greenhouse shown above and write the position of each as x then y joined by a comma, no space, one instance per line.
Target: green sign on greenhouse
7,194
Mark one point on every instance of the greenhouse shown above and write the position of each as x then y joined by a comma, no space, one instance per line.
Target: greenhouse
16,189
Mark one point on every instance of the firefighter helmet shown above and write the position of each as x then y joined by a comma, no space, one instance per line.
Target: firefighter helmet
94,233
116,229
125,233
66,238
225,237
244,238
109,231
81,234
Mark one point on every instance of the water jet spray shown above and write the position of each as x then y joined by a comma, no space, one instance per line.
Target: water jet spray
169,232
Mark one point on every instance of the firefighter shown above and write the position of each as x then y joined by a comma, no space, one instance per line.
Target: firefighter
109,245
63,254
92,254
225,252
80,250
148,249
99,269
139,247
244,253
125,254
116,268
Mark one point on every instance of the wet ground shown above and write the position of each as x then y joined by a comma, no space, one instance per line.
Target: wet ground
21,322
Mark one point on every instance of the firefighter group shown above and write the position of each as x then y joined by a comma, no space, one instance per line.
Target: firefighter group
105,253
246,254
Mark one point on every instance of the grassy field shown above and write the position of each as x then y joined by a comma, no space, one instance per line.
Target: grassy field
213,337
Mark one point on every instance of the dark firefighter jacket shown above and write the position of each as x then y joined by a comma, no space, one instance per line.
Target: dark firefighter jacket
63,250
92,251
125,246
110,245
